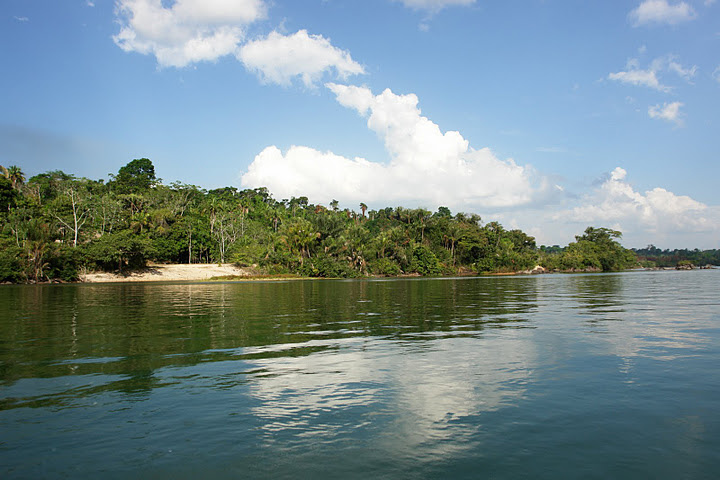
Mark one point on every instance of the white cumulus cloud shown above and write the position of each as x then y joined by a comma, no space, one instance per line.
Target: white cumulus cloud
279,58
661,12
667,111
427,167
186,32
656,211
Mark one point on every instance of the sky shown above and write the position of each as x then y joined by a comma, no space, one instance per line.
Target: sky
545,115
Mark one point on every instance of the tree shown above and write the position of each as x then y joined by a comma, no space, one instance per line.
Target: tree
106,213
8,195
36,246
49,185
363,207
602,236
451,236
14,174
424,261
443,212
71,209
119,250
598,248
223,225
299,235
135,177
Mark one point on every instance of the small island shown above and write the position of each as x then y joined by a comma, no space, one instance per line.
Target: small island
60,228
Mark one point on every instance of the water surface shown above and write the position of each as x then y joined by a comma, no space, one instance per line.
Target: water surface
571,376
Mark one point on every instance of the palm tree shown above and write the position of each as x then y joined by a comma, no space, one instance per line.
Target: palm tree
363,207
14,174
299,236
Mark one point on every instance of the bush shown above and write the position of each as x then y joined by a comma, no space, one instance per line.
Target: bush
424,261
12,268
63,263
248,255
327,267
385,266
116,250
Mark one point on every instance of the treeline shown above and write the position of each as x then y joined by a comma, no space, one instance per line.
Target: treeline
56,225
651,256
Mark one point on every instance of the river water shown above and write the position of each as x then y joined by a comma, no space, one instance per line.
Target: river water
549,376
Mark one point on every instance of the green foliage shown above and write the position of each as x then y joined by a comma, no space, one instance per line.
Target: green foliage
651,256
249,254
47,186
386,267
443,212
328,267
14,174
12,268
596,249
424,261
135,177
8,196
57,224
63,263
115,251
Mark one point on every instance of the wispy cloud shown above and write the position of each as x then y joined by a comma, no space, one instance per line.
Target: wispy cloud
660,12
434,6
21,19
667,111
648,77
634,75
551,149
675,67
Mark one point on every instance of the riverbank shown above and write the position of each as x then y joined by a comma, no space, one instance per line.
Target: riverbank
171,273
203,272
230,272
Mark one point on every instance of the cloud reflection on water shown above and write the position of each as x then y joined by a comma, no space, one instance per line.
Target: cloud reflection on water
414,398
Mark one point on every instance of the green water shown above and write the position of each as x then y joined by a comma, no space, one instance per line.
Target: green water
552,376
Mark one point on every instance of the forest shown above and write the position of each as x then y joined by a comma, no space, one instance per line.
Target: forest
652,256
55,226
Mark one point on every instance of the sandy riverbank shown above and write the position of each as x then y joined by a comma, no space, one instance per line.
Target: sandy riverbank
170,273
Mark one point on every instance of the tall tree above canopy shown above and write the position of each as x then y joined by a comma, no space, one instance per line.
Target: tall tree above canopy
601,244
135,177
14,174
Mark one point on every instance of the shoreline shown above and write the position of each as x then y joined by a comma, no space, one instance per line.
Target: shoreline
171,273
202,272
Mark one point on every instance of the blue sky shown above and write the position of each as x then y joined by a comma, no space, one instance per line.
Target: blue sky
547,115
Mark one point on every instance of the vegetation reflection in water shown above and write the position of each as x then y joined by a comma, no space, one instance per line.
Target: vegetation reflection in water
134,329
393,376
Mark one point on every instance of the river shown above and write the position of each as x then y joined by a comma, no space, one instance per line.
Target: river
548,376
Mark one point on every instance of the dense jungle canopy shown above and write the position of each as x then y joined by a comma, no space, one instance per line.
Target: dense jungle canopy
55,225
